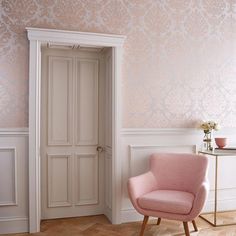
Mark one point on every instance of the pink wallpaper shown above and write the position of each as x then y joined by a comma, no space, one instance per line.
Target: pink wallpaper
179,60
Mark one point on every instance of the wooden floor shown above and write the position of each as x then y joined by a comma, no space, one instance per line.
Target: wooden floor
100,226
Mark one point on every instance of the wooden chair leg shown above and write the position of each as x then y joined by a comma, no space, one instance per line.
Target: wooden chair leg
158,221
145,220
186,229
194,225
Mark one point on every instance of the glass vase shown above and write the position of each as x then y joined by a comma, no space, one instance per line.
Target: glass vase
207,141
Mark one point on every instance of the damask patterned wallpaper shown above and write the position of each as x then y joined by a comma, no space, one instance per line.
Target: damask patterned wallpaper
179,61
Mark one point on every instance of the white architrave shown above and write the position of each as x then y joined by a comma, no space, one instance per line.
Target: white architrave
37,37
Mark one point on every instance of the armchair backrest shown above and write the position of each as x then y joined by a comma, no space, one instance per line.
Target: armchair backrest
183,172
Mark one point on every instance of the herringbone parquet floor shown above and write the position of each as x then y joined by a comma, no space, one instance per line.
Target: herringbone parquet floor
100,226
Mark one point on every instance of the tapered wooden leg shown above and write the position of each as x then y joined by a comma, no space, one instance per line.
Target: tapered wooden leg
158,221
194,225
186,229
145,220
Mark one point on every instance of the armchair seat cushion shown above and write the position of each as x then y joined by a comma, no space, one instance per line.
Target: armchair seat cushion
171,201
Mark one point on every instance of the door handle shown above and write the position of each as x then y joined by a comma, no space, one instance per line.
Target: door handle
100,149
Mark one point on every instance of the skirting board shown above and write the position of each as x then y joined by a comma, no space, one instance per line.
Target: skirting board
130,215
14,225
108,213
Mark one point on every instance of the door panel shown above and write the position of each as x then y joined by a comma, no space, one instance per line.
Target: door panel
59,92
87,169
108,71
59,181
108,178
72,169
87,102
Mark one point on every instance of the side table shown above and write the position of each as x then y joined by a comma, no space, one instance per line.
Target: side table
216,154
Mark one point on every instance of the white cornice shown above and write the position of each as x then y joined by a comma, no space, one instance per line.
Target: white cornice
67,37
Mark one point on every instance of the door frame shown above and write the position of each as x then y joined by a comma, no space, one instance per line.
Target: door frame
38,37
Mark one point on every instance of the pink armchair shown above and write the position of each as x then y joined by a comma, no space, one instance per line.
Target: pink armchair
175,188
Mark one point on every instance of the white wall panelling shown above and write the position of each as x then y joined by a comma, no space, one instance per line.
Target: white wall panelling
14,180
138,144
59,180
8,170
139,155
87,179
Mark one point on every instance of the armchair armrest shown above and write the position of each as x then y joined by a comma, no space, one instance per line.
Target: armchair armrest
200,199
140,185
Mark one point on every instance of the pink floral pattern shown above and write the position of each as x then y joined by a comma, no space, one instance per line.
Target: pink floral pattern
179,58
